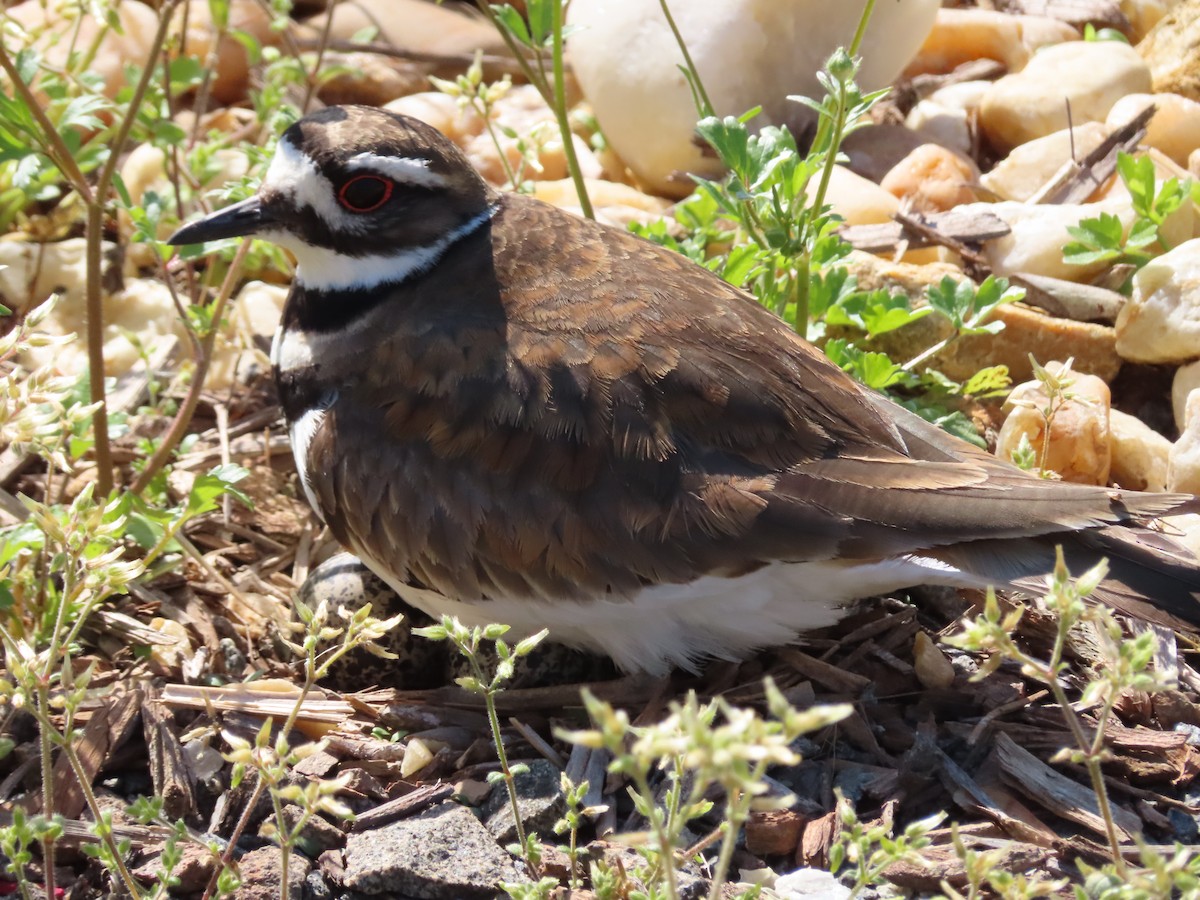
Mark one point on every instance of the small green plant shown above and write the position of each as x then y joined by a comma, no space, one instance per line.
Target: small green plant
766,228
324,639
569,824
697,747
536,41
1103,239
468,642
1057,385
872,849
1126,666
1092,33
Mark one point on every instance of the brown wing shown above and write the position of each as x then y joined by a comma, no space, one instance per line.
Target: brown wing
628,418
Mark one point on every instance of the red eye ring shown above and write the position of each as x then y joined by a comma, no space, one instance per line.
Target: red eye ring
344,198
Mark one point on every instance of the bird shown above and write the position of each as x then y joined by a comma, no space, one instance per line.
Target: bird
513,414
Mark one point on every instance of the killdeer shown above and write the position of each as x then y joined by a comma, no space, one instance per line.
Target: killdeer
515,415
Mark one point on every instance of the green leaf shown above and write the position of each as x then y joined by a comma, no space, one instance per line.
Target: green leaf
514,23
210,487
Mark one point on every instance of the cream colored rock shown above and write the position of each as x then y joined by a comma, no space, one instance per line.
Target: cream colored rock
145,170
962,35
933,669
414,25
442,112
951,126
932,179
1181,225
748,53
1183,529
1143,15
1161,321
1078,446
1172,49
1186,380
947,116
1183,472
30,272
858,201
1090,76
1038,235
253,318
1175,128
614,203
56,31
228,59
521,111
143,309
1032,165
1139,453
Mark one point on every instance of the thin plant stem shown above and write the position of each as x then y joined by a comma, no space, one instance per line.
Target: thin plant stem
93,804
560,113
555,96
706,107
489,700
310,90
95,343
54,145
861,30
183,417
47,764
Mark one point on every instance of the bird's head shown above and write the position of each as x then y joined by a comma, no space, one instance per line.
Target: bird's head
360,196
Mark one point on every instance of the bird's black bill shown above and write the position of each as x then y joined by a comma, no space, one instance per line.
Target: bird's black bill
240,220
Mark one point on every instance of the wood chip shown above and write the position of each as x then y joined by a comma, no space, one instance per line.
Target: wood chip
402,807
1075,182
109,726
169,769
1060,795
955,225
825,674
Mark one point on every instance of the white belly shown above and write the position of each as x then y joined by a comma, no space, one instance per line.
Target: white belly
682,624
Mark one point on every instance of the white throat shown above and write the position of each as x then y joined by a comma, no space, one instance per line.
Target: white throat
322,269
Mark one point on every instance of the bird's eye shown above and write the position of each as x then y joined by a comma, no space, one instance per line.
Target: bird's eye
365,193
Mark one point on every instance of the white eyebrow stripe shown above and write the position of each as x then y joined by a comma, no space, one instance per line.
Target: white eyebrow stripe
403,169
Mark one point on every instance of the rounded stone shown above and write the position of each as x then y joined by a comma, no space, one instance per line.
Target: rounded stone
1088,77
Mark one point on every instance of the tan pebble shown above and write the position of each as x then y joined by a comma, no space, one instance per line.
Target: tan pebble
1146,16
858,201
1186,380
963,35
417,755
1087,76
1183,473
1139,453
1175,127
1038,233
414,25
933,669
442,112
1078,448
1029,167
114,48
231,71
1161,321
933,179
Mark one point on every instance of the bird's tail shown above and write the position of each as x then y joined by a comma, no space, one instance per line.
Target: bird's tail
1150,576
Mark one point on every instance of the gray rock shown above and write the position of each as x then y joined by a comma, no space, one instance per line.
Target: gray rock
444,853
260,871
539,798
